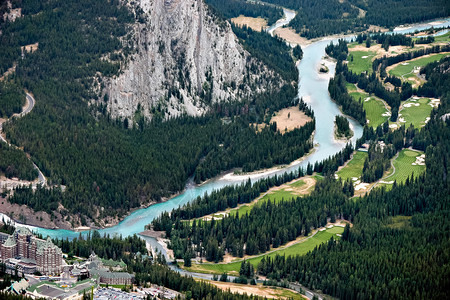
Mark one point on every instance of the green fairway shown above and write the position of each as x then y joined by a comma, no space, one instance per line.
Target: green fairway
298,249
373,106
404,167
442,38
406,69
415,112
354,167
298,183
374,112
276,197
350,87
362,61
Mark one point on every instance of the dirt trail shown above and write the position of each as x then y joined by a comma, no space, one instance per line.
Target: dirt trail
257,290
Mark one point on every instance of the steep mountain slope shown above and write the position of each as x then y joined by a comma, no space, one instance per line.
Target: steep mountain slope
186,59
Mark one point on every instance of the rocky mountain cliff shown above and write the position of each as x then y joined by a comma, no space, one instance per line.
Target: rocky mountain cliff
186,59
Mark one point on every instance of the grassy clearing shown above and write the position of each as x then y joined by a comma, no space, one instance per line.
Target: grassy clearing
350,87
374,107
415,115
277,196
298,183
354,167
406,69
442,38
404,167
298,249
362,61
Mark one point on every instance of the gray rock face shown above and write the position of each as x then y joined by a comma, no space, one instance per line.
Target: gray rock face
186,59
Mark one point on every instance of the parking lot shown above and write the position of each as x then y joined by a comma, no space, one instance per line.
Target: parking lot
108,293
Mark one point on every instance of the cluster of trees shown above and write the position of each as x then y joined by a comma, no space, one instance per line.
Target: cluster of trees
14,163
385,39
255,150
267,225
297,52
425,40
105,246
12,98
331,164
397,82
315,19
338,51
273,51
387,61
101,163
377,162
342,127
338,92
438,79
234,8
326,17
218,200
389,13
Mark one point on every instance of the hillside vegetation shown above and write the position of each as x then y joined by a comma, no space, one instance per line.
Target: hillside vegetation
110,166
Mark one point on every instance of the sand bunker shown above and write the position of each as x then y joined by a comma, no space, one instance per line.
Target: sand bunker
411,104
420,160
386,182
434,102
361,186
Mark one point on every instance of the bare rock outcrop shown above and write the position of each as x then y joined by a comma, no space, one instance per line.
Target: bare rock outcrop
186,58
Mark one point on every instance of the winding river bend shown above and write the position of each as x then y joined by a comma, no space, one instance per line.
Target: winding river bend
313,88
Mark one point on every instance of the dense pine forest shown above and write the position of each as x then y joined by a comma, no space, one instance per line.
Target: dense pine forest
12,98
234,8
398,244
119,165
14,163
326,17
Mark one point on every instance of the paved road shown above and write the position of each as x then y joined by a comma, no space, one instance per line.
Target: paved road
27,109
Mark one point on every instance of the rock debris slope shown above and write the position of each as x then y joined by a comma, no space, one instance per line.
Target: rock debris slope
186,59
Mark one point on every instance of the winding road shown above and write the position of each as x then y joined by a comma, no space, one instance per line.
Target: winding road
29,105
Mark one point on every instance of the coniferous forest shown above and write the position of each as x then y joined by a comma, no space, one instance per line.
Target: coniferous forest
397,246
326,17
101,161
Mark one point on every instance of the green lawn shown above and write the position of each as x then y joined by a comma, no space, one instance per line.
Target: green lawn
404,166
276,197
298,183
442,38
297,249
406,68
350,87
374,108
416,115
354,167
362,61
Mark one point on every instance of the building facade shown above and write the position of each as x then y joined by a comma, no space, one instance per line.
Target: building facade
22,244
